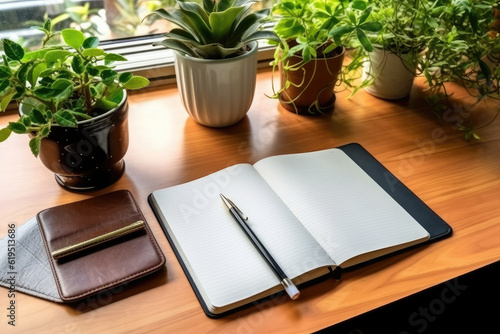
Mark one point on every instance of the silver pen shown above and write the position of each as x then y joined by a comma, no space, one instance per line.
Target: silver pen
240,218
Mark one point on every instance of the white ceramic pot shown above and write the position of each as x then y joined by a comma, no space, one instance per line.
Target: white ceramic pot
393,80
217,92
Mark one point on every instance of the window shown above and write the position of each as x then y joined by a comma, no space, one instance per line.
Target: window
120,25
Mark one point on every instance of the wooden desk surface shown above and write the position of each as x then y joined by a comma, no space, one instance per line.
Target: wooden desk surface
459,180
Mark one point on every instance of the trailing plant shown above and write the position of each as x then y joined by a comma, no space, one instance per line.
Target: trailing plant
407,25
406,28
317,29
465,50
215,30
61,84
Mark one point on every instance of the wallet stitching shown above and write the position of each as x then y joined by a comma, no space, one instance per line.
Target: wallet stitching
101,287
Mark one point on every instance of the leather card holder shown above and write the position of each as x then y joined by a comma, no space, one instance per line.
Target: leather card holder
97,244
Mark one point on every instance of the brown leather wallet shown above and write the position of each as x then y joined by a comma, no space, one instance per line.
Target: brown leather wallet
97,244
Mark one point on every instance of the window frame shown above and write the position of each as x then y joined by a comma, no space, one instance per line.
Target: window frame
156,62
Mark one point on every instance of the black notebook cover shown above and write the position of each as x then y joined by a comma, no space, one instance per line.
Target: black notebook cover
429,220
436,226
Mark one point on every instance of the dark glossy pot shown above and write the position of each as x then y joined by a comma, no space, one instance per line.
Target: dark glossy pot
90,156
311,91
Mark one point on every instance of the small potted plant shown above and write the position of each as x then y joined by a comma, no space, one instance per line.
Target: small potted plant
73,105
407,25
216,57
315,34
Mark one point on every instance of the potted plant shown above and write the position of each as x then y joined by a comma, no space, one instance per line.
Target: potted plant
73,105
463,50
315,34
215,57
390,68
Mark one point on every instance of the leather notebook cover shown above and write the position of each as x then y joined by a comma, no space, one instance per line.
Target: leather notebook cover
103,255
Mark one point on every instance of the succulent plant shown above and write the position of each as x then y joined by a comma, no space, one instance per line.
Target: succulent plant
218,29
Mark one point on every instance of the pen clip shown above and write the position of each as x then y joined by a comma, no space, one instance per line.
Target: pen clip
231,203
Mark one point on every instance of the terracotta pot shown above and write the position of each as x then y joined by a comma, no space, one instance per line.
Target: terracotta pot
393,80
90,156
217,92
311,91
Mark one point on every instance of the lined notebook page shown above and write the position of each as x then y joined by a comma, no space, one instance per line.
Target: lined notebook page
344,209
219,256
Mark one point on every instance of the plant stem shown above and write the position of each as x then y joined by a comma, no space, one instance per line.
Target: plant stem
88,95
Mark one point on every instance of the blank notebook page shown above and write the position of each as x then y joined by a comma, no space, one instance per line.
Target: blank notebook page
219,255
346,211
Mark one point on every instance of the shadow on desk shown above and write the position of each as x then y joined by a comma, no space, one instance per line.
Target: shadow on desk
119,293
465,304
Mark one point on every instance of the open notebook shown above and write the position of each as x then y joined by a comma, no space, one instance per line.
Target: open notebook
312,211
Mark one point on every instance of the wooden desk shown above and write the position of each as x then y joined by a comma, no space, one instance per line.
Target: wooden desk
457,179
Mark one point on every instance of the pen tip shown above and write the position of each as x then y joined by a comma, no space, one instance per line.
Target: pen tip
226,201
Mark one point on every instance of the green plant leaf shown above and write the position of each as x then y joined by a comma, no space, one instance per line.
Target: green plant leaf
80,114
5,101
124,77
44,131
365,42
63,88
338,32
262,34
5,72
44,93
371,26
90,42
208,5
47,25
365,14
116,95
22,73
93,52
221,23
4,84
184,21
92,70
17,127
485,69
359,5
65,118
474,21
55,55
428,77
330,48
37,117
105,104
13,50
34,73
25,120
289,28
352,17
110,57
194,8
108,76
31,55
73,38
64,74
20,90
136,82
77,64
4,134
35,144
178,46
